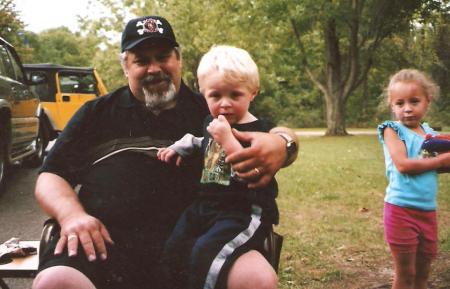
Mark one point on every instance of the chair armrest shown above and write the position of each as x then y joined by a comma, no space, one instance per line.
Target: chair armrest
272,247
50,226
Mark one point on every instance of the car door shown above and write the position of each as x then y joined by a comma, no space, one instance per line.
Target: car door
74,88
23,104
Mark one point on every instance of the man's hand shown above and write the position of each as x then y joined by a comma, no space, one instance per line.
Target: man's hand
258,163
85,230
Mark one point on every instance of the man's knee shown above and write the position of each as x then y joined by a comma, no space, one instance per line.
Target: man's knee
61,277
263,280
250,271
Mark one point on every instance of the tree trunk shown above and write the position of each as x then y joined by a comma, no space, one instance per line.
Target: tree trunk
335,115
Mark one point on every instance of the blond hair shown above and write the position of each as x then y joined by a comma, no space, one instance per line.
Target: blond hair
233,64
430,88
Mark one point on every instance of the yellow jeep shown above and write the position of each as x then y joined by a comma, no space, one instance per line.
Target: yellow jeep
62,91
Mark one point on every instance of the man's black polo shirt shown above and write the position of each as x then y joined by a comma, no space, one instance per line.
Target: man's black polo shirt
129,191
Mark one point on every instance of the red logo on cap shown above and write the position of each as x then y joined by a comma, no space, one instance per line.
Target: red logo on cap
149,25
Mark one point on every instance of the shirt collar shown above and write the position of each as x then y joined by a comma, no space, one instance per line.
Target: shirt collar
126,98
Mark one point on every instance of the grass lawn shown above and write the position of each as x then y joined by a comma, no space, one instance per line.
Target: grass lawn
331,202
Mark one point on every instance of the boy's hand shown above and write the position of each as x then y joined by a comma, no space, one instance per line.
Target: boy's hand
219,129
167,154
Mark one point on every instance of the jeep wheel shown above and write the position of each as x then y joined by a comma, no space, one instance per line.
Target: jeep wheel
37,158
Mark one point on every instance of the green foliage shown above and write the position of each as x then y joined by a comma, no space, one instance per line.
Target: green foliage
10,23
106,61
61,46
12,28
440,70
288,93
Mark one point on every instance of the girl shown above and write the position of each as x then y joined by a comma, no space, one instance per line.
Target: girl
410,204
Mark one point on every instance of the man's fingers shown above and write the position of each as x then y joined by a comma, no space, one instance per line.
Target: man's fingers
60,245
88,246
242,160
242,136
262,182
99,243
72,244
245,168
106,235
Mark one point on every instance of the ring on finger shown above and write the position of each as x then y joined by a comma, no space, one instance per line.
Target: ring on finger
257,171
72,236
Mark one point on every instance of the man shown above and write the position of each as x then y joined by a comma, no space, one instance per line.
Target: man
113,230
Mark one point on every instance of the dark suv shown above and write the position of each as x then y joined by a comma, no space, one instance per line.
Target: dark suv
20,137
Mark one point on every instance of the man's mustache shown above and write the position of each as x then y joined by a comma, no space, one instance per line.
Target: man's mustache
155,78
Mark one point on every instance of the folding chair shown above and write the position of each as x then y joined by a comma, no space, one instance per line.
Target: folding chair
272,247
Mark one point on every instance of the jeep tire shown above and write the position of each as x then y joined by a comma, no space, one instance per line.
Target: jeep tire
3,166
36,159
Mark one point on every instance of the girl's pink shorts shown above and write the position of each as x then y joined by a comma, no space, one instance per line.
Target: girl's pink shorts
410,230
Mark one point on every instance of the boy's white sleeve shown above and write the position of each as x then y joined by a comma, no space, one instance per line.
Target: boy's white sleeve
187,145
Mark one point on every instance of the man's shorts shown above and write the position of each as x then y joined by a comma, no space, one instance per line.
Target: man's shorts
410,230
125,267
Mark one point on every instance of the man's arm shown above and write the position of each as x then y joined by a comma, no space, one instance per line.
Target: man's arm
267,153
290,156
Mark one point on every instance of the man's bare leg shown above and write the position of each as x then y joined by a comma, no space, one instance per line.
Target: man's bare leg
62,277
251,271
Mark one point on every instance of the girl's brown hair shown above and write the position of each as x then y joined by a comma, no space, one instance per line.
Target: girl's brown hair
413,75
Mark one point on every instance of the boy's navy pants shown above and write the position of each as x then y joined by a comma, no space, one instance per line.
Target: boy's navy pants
208,238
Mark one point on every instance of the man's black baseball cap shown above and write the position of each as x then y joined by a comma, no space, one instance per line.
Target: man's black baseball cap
147,27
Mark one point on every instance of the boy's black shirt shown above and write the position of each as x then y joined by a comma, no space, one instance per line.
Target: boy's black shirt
238,191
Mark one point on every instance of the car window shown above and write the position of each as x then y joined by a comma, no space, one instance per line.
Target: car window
18,71
2,66
43,89
7,68
77,83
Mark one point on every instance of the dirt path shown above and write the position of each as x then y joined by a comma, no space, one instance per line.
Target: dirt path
381,276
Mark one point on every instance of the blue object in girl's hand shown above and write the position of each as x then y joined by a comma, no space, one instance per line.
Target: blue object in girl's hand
436,144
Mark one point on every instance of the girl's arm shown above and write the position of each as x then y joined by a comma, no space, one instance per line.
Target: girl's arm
404,165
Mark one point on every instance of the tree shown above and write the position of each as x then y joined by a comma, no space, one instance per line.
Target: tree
313,55
227,22
61,46
440,69
10,24
350,33
12,28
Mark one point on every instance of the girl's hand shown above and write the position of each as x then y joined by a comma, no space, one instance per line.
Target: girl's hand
445,162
